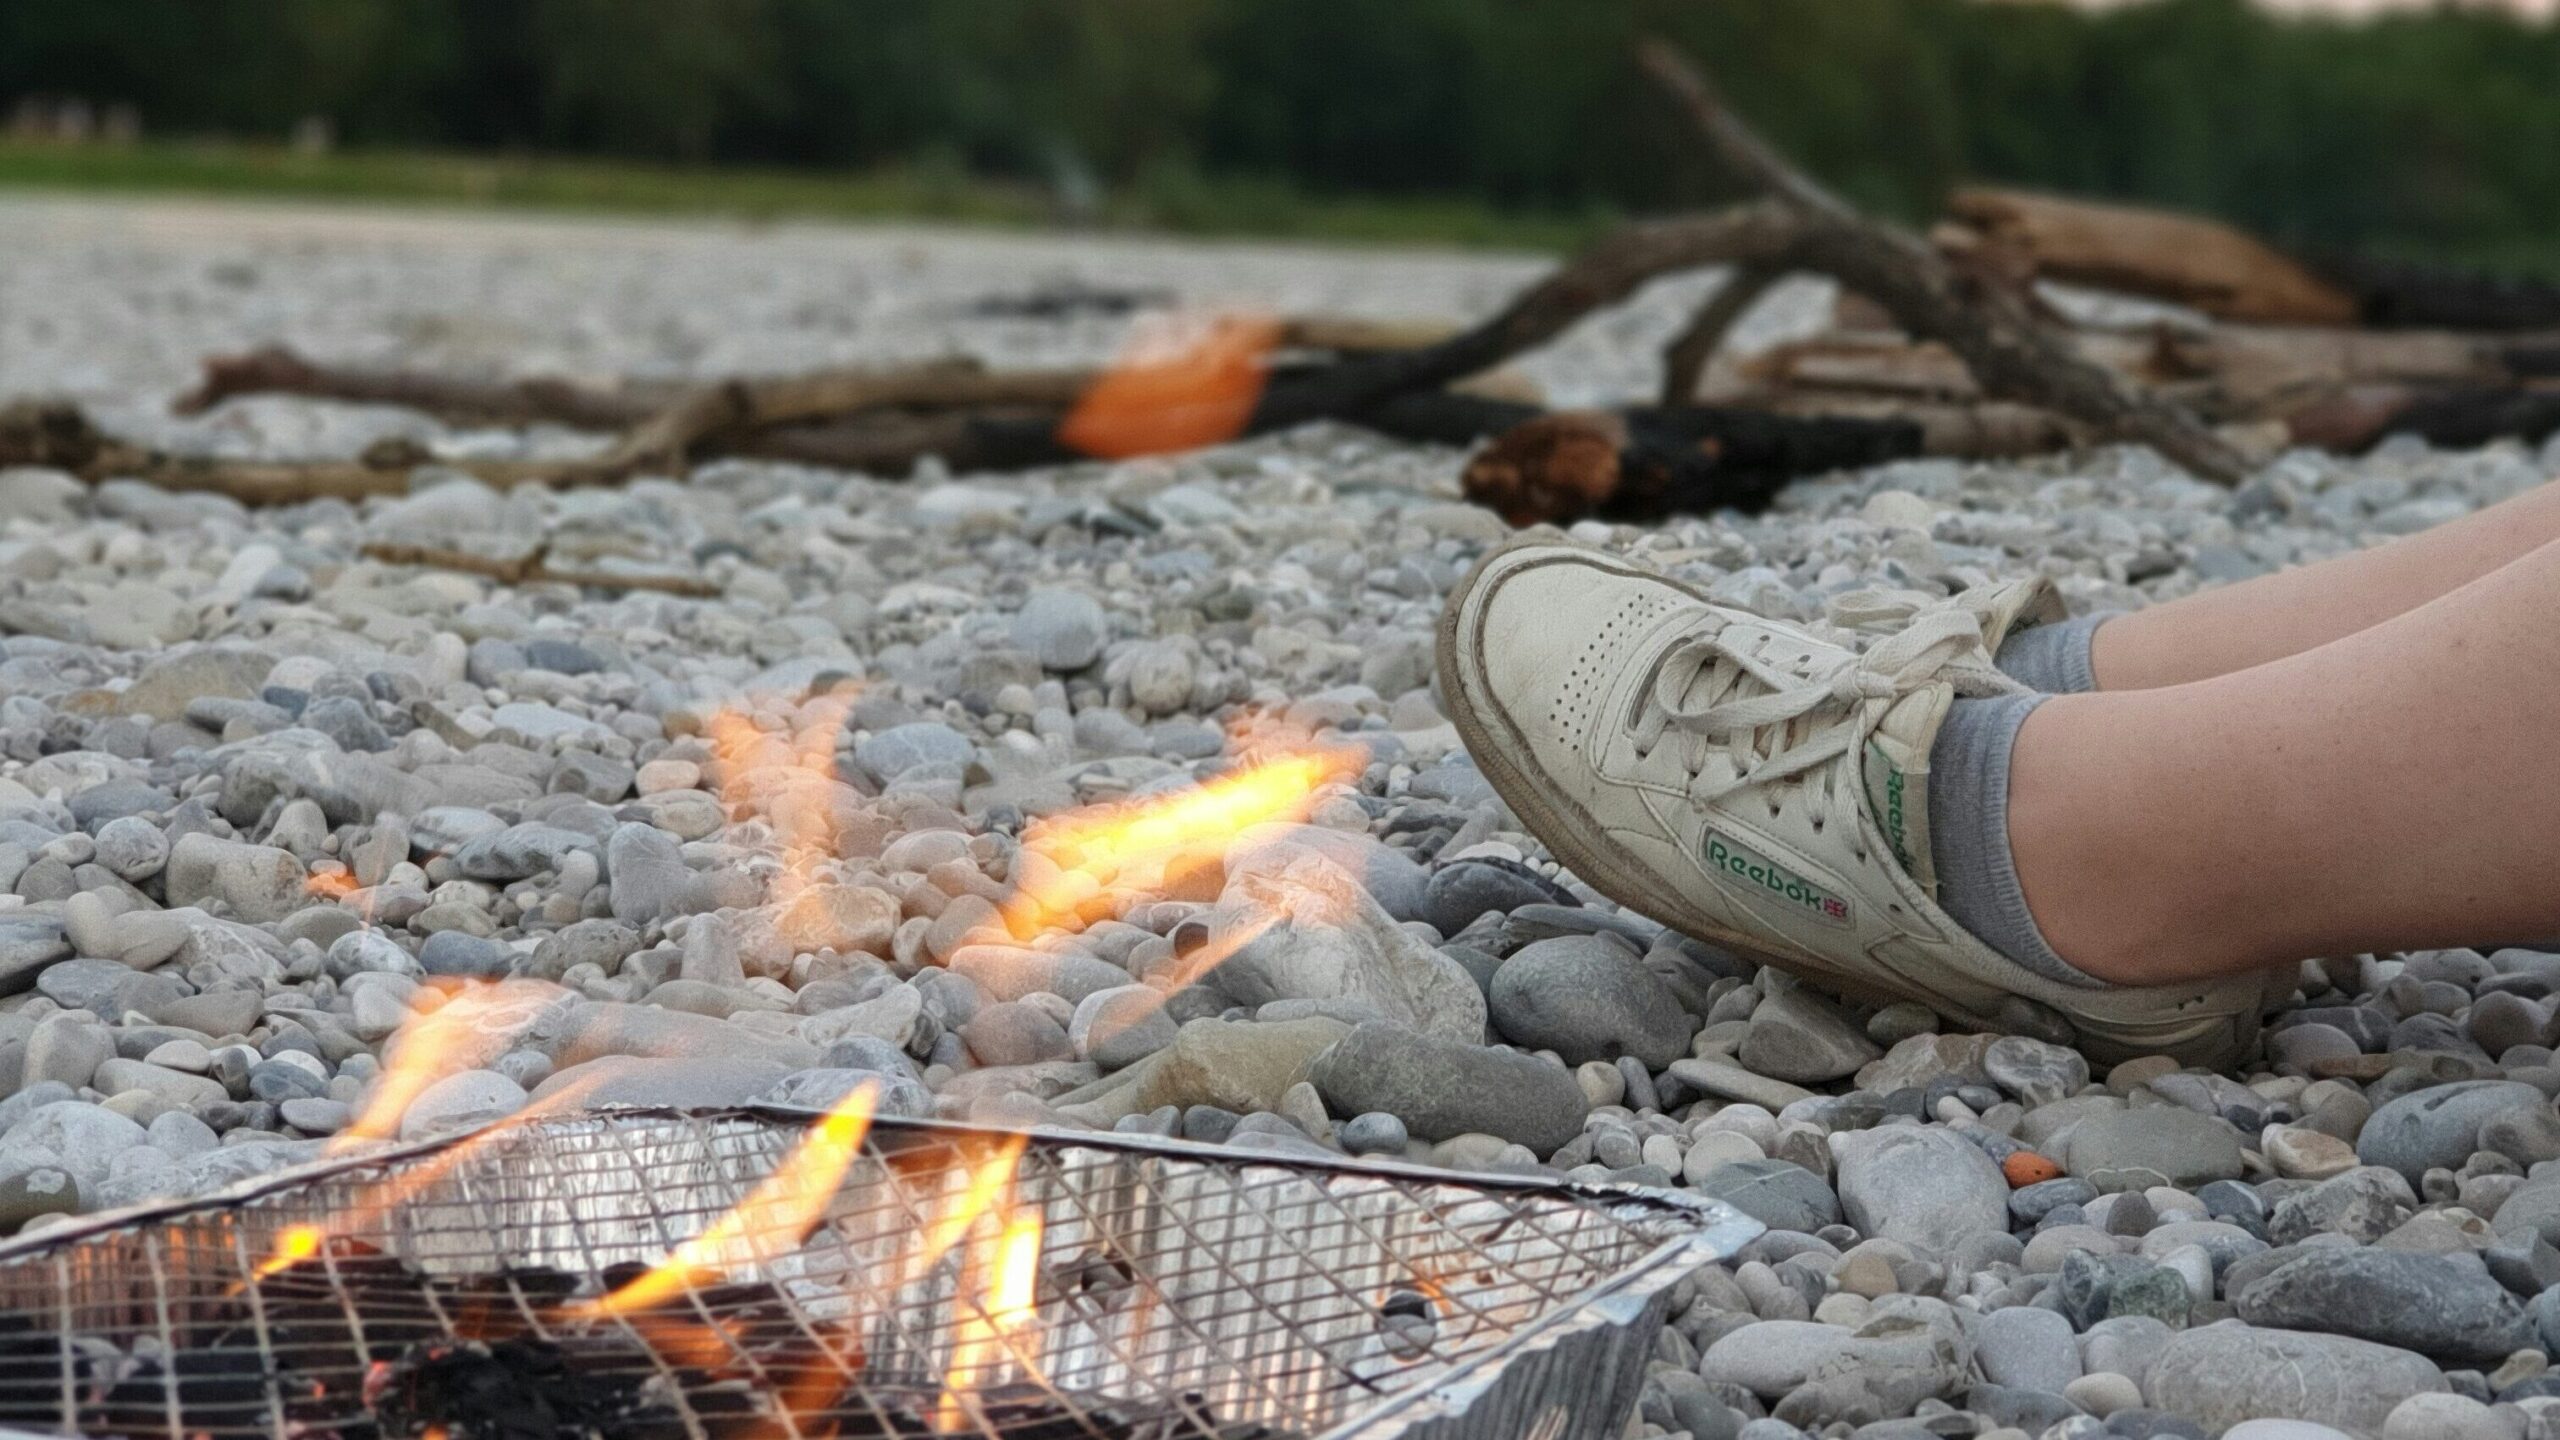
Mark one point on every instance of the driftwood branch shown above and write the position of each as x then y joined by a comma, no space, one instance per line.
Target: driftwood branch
1684,360
2181,258
61,436
277,370
2011,351
533,568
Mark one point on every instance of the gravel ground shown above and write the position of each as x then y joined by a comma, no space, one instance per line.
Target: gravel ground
263,804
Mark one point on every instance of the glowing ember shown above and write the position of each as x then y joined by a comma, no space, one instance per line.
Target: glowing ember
1165,836
786,1203
1175,392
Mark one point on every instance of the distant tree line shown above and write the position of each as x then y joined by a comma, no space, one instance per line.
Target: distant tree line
2434,132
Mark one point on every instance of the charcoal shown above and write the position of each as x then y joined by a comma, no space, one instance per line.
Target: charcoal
518,1389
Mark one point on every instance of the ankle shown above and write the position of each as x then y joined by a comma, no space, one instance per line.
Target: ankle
2117,900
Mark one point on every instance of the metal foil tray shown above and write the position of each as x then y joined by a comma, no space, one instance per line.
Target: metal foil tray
1181,1290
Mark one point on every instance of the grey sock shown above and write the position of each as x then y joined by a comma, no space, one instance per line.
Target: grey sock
2053,658
1969,831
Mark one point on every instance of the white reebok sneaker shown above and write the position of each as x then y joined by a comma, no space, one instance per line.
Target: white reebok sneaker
1760,787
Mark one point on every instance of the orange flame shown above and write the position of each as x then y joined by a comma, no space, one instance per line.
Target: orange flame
1011,1268
989,1182
786,1202
297,1243
329,885
1091,847
785,779
1173,392
294,1244
437,1044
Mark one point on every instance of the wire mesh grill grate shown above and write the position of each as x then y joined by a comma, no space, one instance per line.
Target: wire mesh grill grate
1179,1292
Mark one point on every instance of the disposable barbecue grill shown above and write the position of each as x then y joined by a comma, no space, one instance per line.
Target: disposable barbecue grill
455,1288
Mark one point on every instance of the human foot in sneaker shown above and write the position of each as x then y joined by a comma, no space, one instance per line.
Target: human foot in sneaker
1760,787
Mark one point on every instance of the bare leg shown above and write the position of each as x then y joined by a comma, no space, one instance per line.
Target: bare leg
2215,632
2390,790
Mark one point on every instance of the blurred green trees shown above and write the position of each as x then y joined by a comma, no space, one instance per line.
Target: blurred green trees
2436,131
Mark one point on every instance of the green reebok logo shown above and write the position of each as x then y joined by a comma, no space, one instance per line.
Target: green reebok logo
1746,864
1896,826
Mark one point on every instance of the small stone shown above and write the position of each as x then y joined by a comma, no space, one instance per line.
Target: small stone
1589,998
2440,1126
1441,1088
1061,629
461,955
2220,1375
2035,1072
1779,1195
903,748
2163,1145
260,883
2443,1307
1374,1133
2308,1154
316,1117
1797,1037
2445,1417
1118,1027
1727,1081
2027,1348
647,874
2103,1394
1462,891
1014,1033
66,1049
465,1098
1928,1188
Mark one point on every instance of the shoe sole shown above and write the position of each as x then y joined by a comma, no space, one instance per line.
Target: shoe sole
1599,868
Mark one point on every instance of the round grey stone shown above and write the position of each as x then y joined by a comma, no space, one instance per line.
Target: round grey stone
1062,629
1925,1187
901,748
1588,998
2220,1375
466,1097
133,848
1375,1133
458,954
1777,1193
2440,1126
2164,1145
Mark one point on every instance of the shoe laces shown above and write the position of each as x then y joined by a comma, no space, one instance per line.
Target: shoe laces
1886,612
1718,692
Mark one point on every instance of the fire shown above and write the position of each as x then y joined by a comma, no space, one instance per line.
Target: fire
456,1037
1174,391
294,1244
989,1181
785,779
329,885
786,1202
1011,1270
1169,834
297,1243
